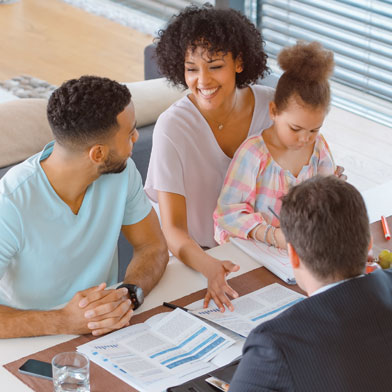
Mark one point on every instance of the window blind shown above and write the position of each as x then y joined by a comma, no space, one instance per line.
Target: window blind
359,32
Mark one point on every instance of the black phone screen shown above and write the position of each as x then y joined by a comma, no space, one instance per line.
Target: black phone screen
37,368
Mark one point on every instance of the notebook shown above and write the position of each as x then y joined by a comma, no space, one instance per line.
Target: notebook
275,260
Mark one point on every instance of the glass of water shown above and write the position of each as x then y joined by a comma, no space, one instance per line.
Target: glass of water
71,372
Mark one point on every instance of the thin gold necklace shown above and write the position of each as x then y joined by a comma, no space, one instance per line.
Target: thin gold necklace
221,124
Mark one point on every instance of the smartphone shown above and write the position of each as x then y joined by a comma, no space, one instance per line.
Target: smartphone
33,367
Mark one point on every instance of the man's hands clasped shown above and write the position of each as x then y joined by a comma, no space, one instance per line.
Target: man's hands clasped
98,311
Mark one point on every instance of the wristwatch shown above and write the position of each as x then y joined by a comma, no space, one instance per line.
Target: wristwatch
135,293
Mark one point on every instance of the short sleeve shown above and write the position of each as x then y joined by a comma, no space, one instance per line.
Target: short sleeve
137,205
11,233
326,165
165,171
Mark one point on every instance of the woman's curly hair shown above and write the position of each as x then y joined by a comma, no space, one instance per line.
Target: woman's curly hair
217,30
84,111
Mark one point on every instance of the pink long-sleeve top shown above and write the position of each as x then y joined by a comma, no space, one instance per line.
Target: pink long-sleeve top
254,182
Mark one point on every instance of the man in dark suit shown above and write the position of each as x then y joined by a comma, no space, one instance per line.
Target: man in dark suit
340,338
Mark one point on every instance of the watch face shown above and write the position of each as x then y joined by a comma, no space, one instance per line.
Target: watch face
139,294
136,294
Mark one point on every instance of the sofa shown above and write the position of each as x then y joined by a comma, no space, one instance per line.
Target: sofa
24,131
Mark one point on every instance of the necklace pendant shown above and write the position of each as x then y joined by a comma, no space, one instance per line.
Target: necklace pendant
220,127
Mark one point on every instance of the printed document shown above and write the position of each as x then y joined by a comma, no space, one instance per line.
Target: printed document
275,260
152,356
250,310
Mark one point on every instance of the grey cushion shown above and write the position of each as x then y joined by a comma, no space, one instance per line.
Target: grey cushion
141,156
4,170
142,150
151,70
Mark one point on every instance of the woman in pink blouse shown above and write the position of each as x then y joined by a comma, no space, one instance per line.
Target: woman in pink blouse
218,54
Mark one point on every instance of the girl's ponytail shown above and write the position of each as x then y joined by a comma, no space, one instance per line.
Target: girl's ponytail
307,68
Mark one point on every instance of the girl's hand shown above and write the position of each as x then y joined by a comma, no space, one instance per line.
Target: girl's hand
218,289
339,173
280,239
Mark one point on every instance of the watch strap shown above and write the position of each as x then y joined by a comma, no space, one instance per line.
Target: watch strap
132,294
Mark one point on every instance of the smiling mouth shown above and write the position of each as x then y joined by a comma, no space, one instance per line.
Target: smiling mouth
207,93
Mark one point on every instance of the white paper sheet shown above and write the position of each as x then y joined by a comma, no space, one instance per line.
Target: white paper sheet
252,309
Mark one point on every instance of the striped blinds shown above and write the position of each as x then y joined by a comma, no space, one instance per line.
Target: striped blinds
359,32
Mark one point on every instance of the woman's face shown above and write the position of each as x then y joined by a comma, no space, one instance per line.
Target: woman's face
211,77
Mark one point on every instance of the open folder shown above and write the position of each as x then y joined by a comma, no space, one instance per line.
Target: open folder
203,383
275,260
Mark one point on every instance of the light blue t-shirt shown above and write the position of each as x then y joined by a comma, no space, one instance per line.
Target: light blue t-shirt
47,253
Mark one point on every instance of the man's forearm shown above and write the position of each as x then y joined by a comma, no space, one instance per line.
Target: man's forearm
22,323
147,266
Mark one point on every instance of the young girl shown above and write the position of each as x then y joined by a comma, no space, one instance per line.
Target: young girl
285,154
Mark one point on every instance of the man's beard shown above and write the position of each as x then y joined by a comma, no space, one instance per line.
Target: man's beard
113,165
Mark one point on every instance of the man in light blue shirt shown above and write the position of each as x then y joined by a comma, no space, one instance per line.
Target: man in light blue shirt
61,212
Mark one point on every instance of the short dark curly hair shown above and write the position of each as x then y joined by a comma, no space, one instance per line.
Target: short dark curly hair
217,30
83,111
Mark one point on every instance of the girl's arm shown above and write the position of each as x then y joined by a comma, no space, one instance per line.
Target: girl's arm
275,238
174,225
326,164
235,214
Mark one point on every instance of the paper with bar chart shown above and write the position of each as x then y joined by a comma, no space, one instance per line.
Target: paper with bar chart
252,309
153,356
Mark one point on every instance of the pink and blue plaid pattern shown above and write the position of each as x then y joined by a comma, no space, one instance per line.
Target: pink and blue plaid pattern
254,182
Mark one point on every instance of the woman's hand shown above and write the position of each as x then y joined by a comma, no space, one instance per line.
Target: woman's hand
174,225
218,289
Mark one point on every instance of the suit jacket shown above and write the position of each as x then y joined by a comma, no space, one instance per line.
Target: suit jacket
338,340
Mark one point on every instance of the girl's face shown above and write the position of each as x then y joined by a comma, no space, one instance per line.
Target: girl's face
211,77
298,125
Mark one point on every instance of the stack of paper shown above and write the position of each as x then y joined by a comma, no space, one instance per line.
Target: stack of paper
159,353
252,309
275,260
172,348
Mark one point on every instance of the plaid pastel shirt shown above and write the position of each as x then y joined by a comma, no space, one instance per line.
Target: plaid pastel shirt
254,182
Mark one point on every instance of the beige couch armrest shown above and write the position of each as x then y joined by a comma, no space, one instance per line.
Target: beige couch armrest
24,129
151,98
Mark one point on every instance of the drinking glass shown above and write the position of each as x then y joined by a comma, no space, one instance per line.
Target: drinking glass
71,372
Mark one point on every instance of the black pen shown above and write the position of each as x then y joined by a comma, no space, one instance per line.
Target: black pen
172,306
274,213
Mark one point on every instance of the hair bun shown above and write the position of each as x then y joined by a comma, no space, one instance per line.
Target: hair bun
307,61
